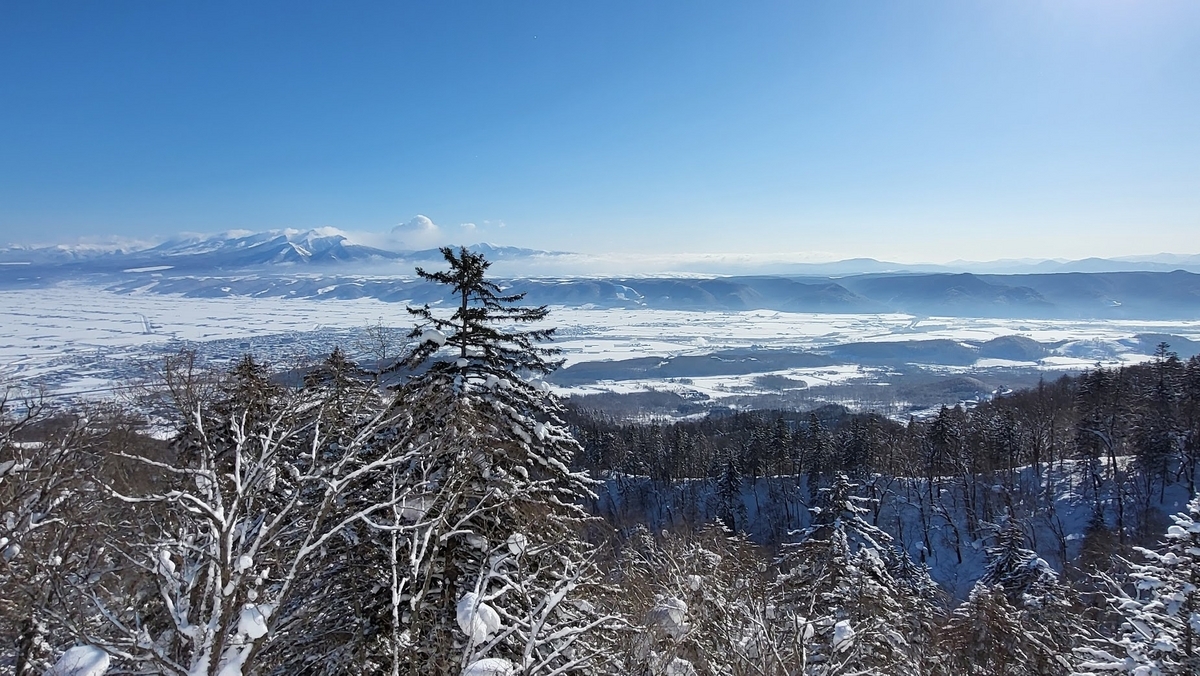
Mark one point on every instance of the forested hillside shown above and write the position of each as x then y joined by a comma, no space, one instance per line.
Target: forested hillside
464,522
1121,438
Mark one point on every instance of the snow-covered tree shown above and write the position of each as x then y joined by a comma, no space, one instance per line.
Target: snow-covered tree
497,569
53,520
1159,603
1017,619
731,508
339,612
840,611
206,576
700,602
41,480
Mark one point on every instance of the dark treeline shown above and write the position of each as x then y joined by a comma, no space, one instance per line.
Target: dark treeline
1149,412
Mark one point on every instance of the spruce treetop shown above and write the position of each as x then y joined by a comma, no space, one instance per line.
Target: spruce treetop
477,329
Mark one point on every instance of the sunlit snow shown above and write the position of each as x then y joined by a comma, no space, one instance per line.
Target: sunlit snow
82,660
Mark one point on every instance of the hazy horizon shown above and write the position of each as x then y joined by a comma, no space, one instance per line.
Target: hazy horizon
390,241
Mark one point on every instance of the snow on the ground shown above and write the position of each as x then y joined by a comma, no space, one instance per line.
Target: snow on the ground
718,387
82,660
63,326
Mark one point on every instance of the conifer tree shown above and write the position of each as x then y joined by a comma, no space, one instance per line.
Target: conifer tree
347,388
245,398
493,565
844,610
248,391
1016,620
781,447
1155,436
1102,419
816,457
731,509
1190,420
341,619
480,329
1159,603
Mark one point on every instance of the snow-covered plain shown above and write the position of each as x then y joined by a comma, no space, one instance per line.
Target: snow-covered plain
75,338
719,387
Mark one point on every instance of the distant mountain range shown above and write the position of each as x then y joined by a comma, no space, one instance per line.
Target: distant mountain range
234,251
333,266
328,247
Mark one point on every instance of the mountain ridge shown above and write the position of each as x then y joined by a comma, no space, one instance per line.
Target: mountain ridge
326,264
240,249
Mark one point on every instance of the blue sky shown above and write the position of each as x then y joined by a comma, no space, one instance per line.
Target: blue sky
912,131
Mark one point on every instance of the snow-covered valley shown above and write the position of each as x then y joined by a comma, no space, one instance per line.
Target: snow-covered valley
76,338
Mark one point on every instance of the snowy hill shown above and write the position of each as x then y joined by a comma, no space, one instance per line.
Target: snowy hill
228,251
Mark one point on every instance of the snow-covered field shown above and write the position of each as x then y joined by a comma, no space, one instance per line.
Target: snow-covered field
619,334
718,387
74,337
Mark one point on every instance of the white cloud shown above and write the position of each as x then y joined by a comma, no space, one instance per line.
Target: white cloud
422,233
419,233
474,233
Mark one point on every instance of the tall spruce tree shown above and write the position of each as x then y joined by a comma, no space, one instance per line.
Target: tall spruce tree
491,565
480,329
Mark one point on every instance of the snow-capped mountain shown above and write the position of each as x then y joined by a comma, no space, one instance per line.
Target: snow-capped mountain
328,247
237,250
328,263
